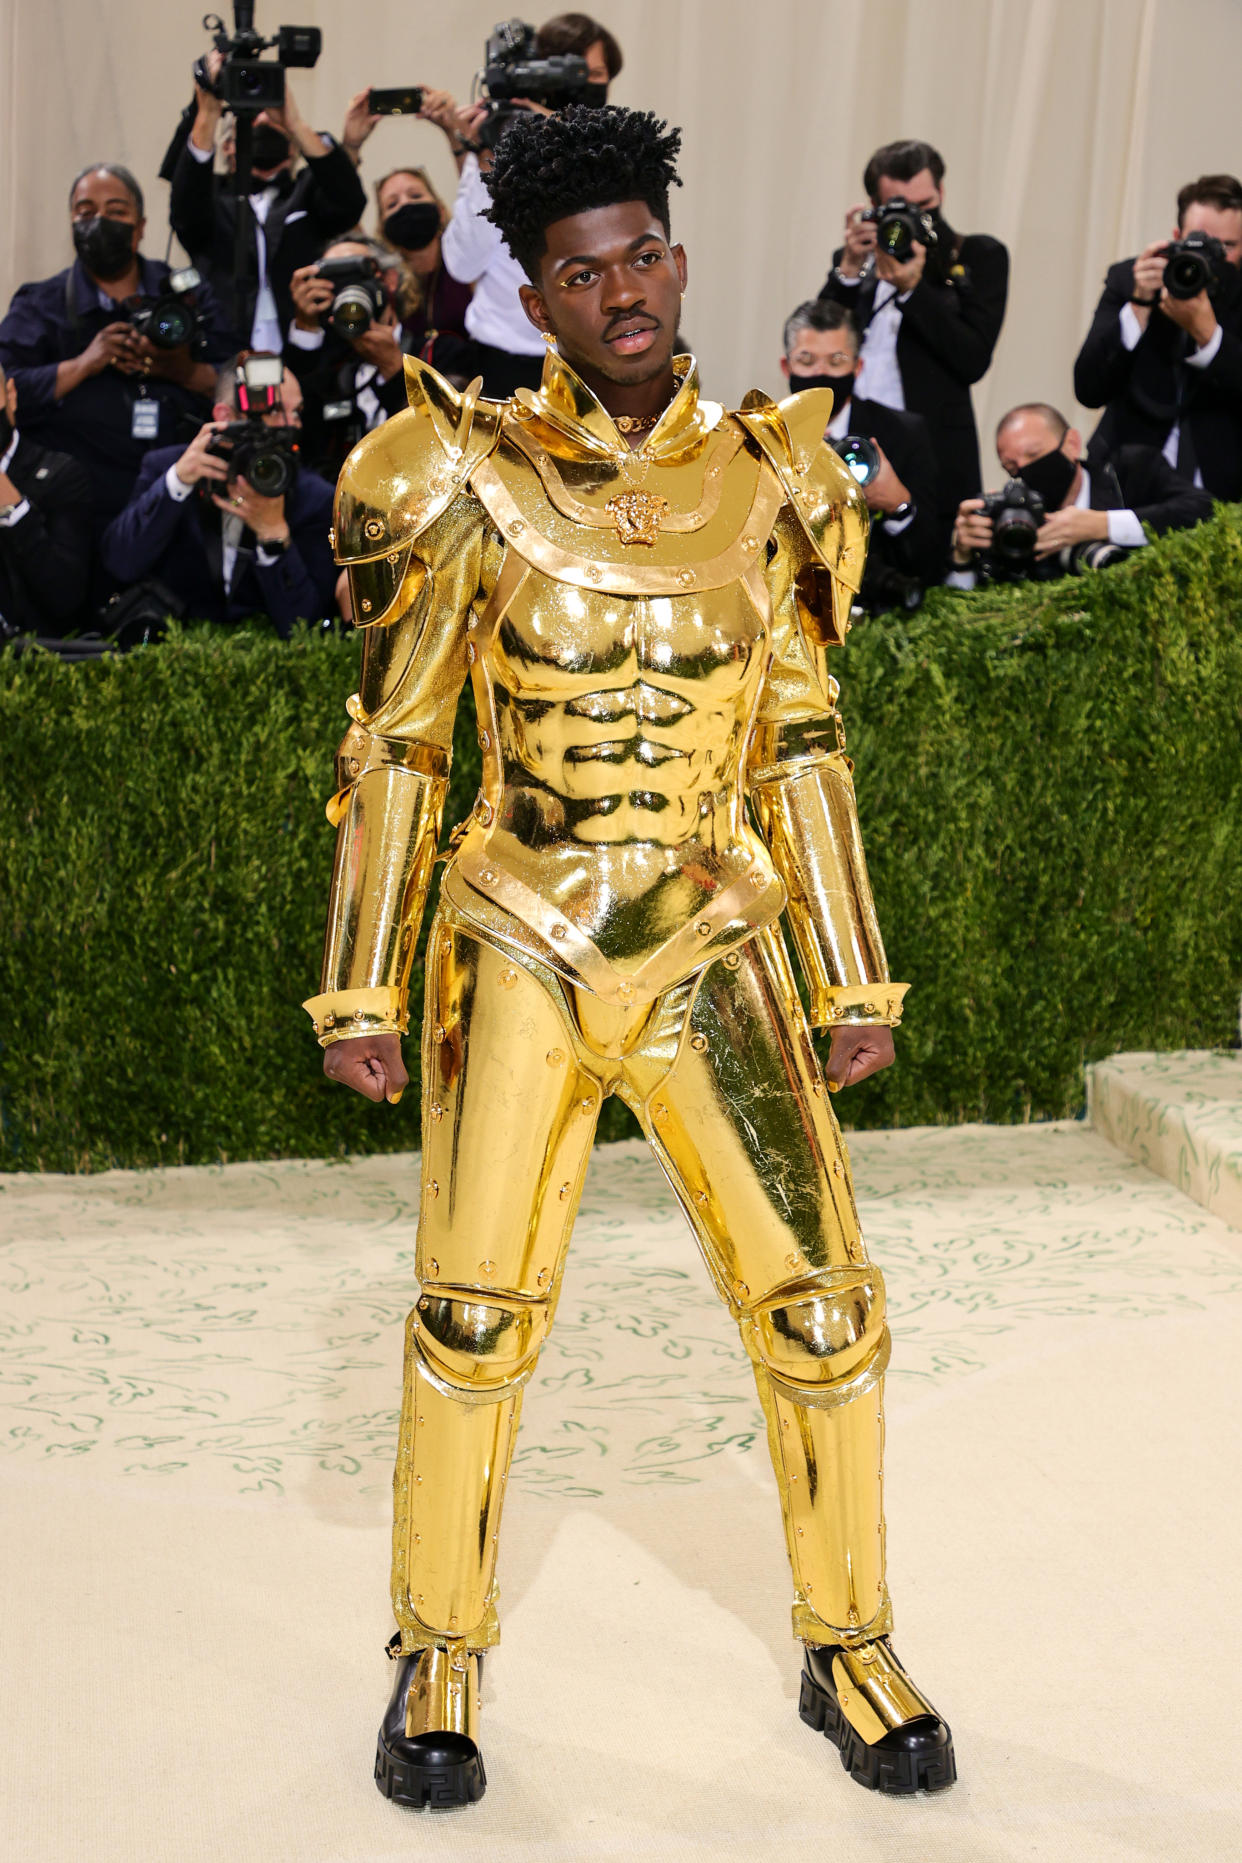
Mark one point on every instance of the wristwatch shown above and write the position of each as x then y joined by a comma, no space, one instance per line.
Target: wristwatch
899,513
6,511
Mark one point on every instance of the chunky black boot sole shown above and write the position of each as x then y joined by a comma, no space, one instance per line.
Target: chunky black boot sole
879,1769
439,1786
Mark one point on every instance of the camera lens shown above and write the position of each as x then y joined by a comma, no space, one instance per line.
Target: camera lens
1187,275
353,310
170,327
270,473
1013,534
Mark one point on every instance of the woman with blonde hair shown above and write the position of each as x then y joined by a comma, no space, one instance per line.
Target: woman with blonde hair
412,217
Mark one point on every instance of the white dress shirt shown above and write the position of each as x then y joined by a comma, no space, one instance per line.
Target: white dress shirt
231,528
265,326
880,377
1131,331
475,254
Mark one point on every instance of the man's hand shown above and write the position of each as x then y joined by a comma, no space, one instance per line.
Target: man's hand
971,531
289,118
264,516
370,1064
9,494
115,346
378,344
1149,280
1193,315
360,120
856,1053
1060,529
197,462
312,296
906,276
209,107
886,491
859,242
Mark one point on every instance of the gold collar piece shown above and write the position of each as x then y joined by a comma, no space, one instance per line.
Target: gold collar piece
564,402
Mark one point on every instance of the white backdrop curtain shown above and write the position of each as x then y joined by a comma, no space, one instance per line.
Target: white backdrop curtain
1067,127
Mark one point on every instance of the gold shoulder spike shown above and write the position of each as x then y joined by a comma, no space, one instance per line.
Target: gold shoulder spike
452,414
764,419
806,418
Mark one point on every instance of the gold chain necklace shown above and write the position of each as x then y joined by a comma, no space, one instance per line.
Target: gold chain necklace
636,423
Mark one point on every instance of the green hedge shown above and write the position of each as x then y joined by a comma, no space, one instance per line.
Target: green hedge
1051,796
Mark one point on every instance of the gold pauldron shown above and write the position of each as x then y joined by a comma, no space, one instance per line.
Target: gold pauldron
340,1014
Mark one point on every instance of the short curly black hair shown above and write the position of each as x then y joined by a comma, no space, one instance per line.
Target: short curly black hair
548,167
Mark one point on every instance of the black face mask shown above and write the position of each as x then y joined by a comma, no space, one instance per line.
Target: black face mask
594,97
105,247
842,386
413,225
268,147
1051,475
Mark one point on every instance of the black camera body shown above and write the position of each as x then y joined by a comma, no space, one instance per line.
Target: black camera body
1017,513
170,319
898,225
248,82
358,294
1192,265
859,455
266,457
513,68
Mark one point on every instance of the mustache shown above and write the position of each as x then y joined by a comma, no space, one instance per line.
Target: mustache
635,320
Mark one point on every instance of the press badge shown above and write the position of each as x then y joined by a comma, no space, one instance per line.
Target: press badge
145,420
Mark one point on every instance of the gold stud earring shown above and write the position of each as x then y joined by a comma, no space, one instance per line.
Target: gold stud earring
549,339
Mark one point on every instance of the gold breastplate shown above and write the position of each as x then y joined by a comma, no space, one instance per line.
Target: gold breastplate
616,682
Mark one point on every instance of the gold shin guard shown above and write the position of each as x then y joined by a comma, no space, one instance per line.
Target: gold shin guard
722,1075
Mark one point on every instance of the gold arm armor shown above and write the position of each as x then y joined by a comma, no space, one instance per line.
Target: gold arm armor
411,587
800,780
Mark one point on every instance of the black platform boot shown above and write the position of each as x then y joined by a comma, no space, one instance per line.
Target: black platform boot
436,1763
889,1736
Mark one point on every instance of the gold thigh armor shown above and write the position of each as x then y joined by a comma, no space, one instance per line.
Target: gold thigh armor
722,1076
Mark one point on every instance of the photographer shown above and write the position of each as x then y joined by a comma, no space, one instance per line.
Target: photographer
292,215
930,315
1163,356
908,543
89,384
412,219
198,525
45,532
1085,513
350,382
505,349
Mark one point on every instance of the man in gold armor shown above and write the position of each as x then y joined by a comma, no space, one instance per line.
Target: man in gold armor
644,591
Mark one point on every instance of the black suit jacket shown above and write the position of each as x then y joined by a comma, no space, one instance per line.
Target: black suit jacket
919,549
324,200
45,557
179,544
945,343
1140,479
1144,390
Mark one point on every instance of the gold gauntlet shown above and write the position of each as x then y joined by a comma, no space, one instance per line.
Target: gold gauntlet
802,792
387,816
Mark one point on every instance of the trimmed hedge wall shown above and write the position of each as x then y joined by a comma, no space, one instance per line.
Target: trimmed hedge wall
1051,788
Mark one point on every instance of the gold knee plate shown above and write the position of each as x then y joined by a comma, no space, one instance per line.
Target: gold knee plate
444,1693
874,1692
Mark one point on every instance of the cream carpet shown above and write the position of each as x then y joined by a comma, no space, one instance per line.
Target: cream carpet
198,1378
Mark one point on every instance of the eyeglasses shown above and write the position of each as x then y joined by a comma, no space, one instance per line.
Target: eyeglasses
840,359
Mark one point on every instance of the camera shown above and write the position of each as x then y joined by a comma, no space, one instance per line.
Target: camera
1192,265
171,319
266,457
860,456
1098,553
897,226
398,102
247,82
513,68
1016,513
358,294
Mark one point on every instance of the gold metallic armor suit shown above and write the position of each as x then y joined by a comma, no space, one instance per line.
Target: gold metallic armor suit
647,634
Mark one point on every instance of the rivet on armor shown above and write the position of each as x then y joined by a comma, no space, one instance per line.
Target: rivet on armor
704,928
594,572
332,536
517,527
818,1088
732,961
555,1057
487,1267
437,1034
315,1026
794,1260
741,1290
453,1620
838,1169
866,1655
685,577
508,978
661,1111
757,881
868,1009
543,1277
564,1193
485,740
433,1189
486,814
699,1043
587,1108
801,1532
700,1196
394,556
366,604
374,529
560,931
435,1112
750,545
329,1020
433,1269
487,877
625,989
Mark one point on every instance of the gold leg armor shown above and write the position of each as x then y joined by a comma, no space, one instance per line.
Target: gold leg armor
722,1074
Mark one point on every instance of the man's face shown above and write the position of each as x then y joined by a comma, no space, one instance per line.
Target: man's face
1223,223
1028,436
597,64
286,413
821,352
610,290
101,196
921,191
